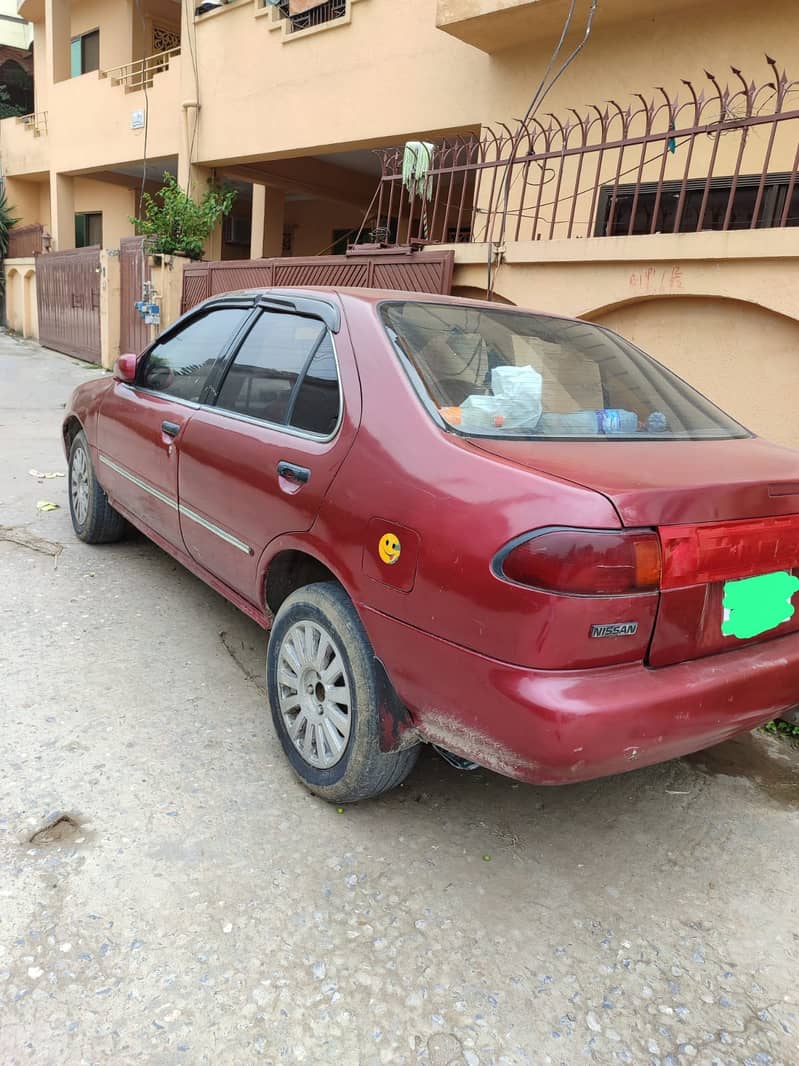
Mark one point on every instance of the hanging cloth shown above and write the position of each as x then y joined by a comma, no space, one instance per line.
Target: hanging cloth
417,159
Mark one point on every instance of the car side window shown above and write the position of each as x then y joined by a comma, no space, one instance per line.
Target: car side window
263,380
180,364
318,401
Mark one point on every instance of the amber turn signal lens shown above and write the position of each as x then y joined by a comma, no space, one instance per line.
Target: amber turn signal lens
647,561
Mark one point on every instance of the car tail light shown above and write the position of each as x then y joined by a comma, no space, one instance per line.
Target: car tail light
583,562
726,551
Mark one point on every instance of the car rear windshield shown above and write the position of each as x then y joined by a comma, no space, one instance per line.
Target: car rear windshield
502,373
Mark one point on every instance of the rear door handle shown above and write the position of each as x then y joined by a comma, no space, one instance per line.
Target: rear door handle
170,428
292,472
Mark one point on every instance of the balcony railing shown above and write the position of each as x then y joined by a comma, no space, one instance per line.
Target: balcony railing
140,73
318,15
36,122
723,159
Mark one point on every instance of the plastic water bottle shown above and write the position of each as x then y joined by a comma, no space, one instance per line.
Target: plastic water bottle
616,420
657,423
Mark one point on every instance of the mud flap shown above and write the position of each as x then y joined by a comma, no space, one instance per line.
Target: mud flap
397,731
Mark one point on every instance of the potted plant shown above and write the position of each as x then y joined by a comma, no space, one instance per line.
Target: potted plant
179,225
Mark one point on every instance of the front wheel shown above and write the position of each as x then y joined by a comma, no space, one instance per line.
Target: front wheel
324,691
93,518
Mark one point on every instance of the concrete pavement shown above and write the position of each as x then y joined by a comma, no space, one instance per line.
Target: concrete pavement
195,905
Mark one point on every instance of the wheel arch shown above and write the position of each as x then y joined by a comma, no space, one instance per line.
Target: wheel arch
71,427
291,565
289,569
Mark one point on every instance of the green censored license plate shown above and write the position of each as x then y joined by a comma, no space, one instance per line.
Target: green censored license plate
754,605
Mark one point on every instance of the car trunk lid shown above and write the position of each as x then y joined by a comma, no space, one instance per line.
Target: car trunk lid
654,483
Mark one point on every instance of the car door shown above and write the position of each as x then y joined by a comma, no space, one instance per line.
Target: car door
140,425
259,461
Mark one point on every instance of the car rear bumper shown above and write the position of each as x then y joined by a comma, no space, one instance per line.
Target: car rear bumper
552,727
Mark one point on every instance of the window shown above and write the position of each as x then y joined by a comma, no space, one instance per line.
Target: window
743,205
180,364
318,402
237,230
285,373
306,14
84,53
88,229
512,374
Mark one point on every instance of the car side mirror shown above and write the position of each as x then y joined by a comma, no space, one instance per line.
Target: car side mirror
125,368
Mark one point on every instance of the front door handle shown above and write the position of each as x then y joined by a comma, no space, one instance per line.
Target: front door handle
291,472
170,428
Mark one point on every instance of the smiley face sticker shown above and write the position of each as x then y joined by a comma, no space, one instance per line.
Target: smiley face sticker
389,548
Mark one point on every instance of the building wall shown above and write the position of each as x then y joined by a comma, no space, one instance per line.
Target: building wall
114,23
312,222
744,357
422,80
115,202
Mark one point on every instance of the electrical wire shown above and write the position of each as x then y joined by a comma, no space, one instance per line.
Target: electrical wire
146,117
711,130
542,91
369,210
584,191
539,95
191,24
343,237
358,230
142,255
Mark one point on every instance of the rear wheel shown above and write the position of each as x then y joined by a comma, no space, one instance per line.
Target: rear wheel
93,518
324,691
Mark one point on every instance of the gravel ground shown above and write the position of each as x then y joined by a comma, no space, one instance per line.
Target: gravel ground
195,905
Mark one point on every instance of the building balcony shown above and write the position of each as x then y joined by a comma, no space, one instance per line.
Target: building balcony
98,120
495,25
25,141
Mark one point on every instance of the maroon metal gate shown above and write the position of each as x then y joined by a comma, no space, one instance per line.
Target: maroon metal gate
393,268
68,299
134,271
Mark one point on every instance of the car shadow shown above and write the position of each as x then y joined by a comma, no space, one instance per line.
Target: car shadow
770,764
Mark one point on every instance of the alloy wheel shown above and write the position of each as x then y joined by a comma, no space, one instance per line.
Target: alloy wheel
314,694
79,485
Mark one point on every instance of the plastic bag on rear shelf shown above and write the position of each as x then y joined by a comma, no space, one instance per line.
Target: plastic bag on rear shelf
515,405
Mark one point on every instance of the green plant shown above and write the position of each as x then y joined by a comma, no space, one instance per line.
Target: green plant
7,220
179,224
7,108
786,729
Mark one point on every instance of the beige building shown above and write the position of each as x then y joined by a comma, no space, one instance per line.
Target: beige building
664,210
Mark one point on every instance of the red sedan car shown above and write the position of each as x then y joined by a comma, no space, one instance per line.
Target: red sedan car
511,535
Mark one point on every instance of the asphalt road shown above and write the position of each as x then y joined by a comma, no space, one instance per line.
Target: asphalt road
195,905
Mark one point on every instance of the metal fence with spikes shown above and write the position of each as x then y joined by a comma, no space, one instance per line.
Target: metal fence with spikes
724,157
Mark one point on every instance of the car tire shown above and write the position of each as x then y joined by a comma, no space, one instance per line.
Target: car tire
324,687
93,518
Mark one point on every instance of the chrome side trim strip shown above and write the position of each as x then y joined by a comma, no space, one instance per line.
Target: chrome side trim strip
185,511
216,530
141,484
